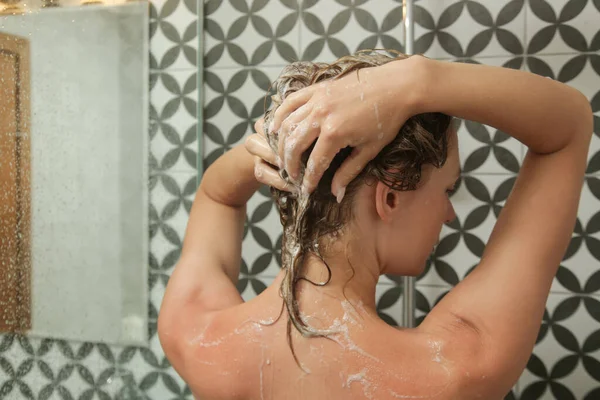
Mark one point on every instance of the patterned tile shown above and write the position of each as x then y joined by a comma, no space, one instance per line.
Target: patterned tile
389,302
465,29
173,121
331,29
558,26
564,363
241,33
581,71
171,198
477,202
484,149
579,272
173,34
234,100
250,287
261,248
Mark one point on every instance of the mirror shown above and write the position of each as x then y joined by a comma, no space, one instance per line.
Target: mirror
74,171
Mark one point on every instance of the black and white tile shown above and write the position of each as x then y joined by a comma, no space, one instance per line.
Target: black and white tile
244,33
564,363
532,35
559,26
246,45
335,28
448,29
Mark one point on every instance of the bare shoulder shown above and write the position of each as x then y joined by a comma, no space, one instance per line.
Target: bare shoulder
422,363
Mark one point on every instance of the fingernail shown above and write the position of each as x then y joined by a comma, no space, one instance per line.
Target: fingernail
279,162
340,194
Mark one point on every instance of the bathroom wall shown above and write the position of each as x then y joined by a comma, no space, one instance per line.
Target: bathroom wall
248,42
44,368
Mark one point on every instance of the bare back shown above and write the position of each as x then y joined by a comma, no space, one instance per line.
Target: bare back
242,353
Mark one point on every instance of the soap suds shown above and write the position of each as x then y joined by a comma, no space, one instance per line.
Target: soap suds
361,378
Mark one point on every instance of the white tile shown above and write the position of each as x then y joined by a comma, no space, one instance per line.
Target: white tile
582,264
373,24
572,326
271,225
176,30
236,37
466,27
175,98
389,303
249,292
485,149
471,204
542,14
234,99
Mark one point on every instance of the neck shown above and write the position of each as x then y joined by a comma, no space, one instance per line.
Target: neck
354,276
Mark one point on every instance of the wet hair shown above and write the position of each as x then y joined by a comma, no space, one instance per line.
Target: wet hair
422,140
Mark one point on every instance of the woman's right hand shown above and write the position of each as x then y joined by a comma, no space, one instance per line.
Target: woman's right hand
363,110
265,159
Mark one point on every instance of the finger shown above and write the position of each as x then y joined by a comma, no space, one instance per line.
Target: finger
259,127
297,143
350,168
267,175
291,104
289,126
258,146
318,162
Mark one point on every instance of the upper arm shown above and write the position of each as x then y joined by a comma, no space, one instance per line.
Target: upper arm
501,303
203,280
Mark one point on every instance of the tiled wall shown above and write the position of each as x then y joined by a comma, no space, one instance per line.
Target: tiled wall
248,42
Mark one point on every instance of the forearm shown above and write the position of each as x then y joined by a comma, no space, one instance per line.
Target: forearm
230,180
543,114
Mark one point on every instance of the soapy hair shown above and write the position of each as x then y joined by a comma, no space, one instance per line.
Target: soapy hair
306,220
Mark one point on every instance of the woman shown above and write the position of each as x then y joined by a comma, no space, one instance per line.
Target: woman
361,155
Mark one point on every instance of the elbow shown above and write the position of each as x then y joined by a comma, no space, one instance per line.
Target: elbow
584,120
167,332
587,117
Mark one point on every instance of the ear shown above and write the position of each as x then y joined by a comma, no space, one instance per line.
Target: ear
387,201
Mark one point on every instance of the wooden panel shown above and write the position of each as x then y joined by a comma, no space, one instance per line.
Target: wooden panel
15,185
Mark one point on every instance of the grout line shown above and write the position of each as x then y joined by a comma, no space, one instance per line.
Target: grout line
167,70
300,10
525,38
434,286
510,174
567,53
241,67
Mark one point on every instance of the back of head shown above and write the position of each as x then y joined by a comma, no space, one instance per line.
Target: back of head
307,220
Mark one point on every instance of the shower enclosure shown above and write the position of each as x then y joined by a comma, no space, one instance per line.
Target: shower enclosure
210,64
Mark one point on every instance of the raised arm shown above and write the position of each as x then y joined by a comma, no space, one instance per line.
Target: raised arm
205,276
501,303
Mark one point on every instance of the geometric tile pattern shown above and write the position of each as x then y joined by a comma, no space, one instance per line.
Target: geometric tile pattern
555,38
246,44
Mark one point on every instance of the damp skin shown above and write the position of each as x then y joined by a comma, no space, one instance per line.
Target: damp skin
370,375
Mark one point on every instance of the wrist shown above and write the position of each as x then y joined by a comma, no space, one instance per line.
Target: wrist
422,84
